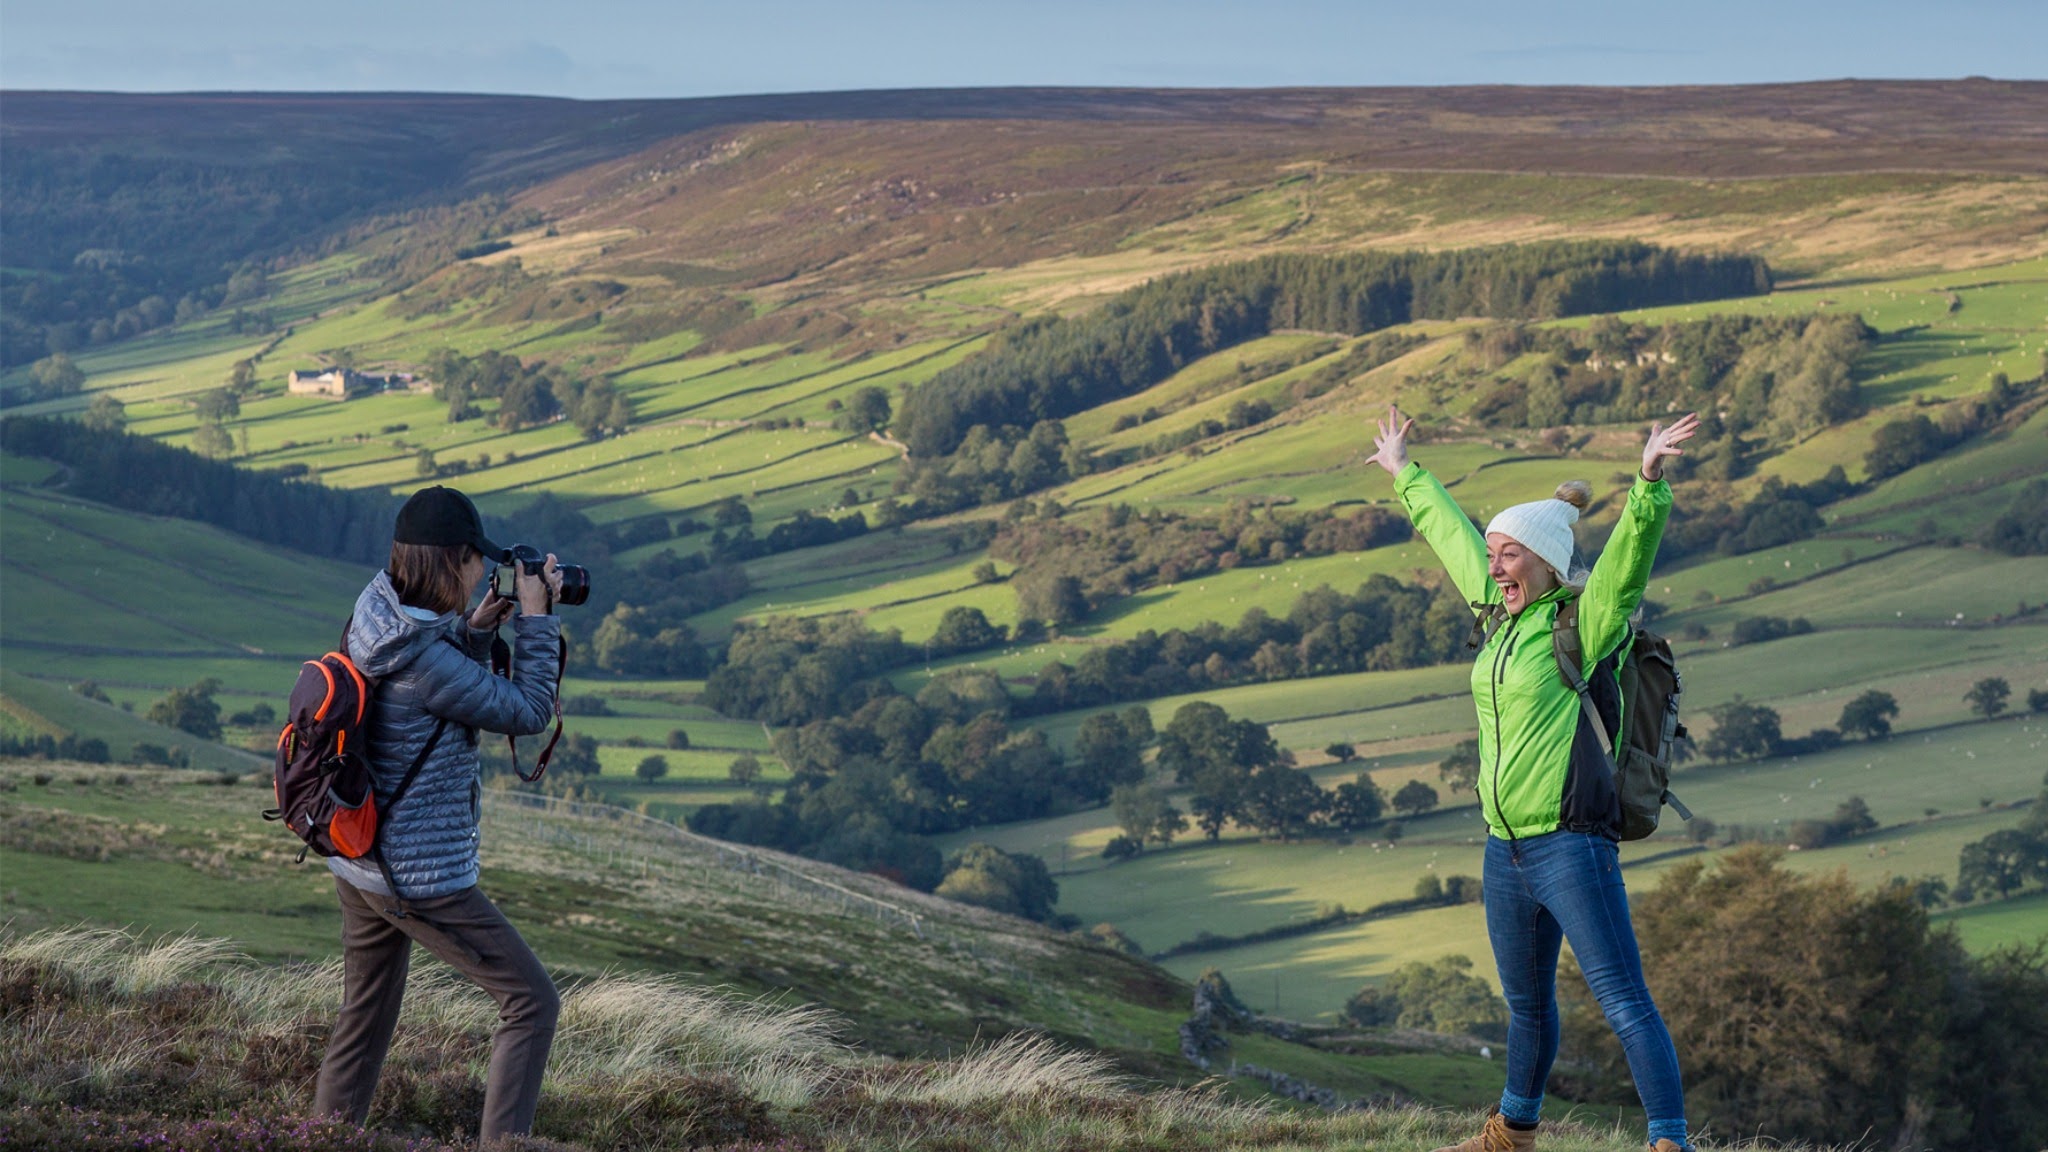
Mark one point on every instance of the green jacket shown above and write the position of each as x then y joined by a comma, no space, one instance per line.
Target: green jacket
1541,767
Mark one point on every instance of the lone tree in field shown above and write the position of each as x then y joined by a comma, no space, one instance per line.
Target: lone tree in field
1987,696
1414,798
1742,731
743,771
56,375
2004,861
1341,752
1357,804
106,414
1869,715
191,709
965,628
652,768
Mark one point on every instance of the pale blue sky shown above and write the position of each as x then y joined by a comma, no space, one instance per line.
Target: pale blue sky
651,48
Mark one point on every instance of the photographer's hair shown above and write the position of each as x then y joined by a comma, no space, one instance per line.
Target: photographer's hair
429,576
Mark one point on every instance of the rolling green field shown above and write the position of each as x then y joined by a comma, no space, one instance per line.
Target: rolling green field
1899,597
1242,884
2015,921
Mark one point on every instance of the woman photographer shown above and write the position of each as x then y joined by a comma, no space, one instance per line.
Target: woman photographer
434,692
1553,864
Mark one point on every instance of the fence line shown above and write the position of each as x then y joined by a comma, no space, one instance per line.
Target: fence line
733,857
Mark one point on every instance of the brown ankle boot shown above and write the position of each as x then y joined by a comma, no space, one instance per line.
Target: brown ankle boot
1668,1146
1498,1137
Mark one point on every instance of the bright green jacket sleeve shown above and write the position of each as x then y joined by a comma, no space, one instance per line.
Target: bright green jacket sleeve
1458,545
1623,570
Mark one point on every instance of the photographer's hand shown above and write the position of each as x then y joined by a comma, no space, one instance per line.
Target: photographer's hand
491,613
537,593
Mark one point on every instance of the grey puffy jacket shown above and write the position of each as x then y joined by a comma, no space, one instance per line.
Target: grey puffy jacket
427,670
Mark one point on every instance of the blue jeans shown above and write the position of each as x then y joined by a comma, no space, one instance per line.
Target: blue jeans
1544,890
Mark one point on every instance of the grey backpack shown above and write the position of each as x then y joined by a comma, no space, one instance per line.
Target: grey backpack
1649,717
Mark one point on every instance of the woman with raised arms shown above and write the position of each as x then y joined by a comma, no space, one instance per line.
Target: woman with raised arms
1546,786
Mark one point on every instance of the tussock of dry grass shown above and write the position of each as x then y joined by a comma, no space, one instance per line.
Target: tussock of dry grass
89,955
1018,1065
624,1029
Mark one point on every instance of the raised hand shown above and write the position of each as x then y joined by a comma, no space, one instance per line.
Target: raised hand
1665,441
1392,441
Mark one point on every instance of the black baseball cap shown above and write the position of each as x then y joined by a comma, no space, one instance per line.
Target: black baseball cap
443,517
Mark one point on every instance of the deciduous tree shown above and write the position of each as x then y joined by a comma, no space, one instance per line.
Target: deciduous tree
1146,815
56,375
190,709
1283,801
1742,731
1987,696
1357,804
1414,798
1869,715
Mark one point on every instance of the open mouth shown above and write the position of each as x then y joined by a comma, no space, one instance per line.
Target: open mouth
1511,593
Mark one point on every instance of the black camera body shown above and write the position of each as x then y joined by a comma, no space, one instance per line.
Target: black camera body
533,561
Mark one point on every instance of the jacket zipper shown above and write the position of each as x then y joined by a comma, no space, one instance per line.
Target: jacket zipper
1499,657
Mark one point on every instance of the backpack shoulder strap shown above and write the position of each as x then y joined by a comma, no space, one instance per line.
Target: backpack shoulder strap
1564,643
411,773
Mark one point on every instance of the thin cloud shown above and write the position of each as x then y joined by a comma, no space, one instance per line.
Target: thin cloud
1557,51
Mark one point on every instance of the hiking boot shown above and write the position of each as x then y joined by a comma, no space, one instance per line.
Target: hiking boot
1498,1137
1668,1146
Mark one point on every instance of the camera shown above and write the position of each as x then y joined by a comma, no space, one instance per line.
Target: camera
575,577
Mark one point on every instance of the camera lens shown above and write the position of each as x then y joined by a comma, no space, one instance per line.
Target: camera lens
575,584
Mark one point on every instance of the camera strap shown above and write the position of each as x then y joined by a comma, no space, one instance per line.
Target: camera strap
501,664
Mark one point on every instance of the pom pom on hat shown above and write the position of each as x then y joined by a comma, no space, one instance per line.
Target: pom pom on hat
1545,526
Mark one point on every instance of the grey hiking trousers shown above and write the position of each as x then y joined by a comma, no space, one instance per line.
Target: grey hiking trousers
465,930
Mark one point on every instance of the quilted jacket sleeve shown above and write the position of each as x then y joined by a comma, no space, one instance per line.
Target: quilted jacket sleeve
459,687
475,641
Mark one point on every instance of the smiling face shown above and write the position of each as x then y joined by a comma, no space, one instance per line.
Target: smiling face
1522,575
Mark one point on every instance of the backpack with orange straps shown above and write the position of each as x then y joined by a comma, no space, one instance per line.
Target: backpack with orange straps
325,793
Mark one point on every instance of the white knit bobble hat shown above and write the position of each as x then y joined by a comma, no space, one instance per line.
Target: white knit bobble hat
1545,526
